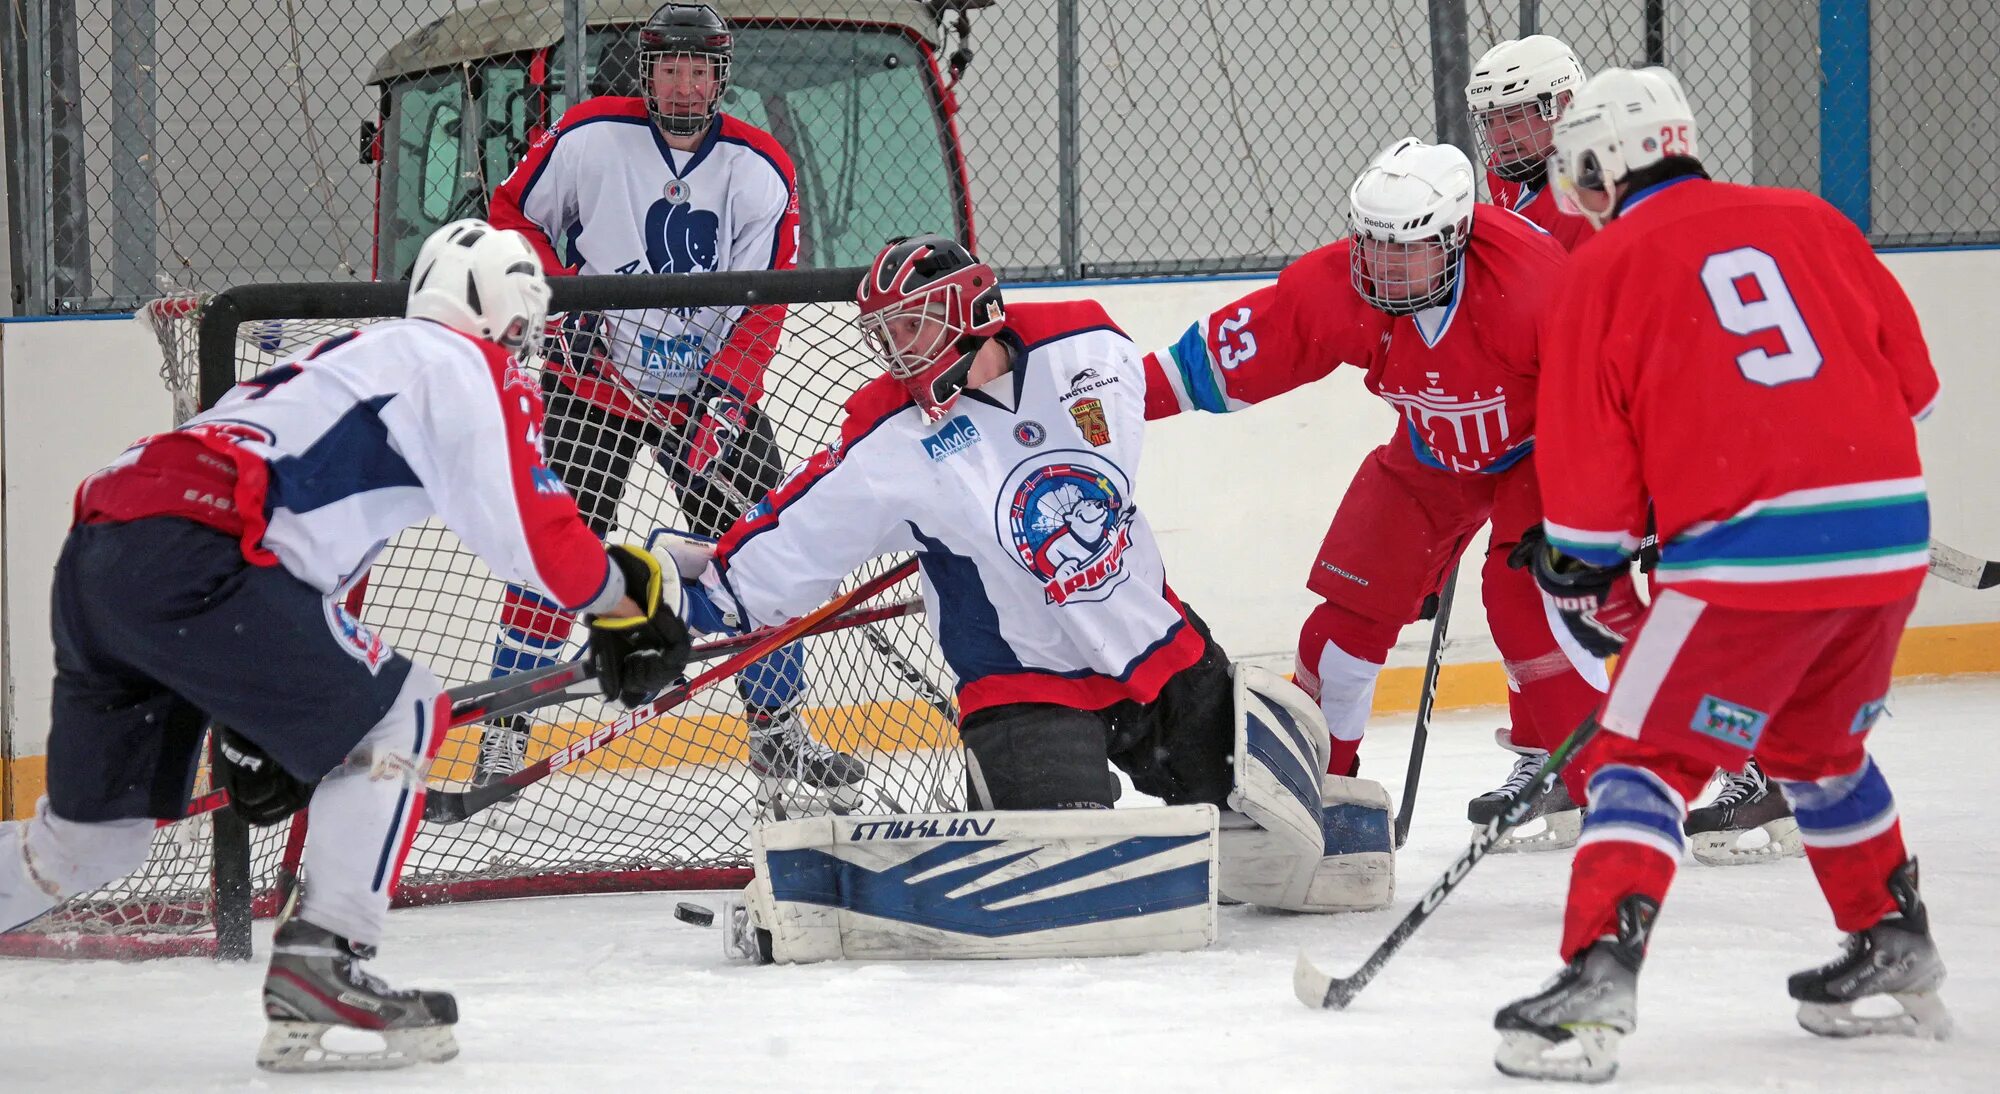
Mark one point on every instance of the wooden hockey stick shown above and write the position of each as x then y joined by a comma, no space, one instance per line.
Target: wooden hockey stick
1317,989
520,692
454,806
1421,736
1959,568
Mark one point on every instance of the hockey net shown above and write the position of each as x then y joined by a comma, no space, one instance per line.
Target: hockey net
668,806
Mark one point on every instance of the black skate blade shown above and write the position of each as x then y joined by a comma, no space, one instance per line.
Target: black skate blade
1582,1054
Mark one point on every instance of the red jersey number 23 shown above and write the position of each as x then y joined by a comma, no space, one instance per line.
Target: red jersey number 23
1750,297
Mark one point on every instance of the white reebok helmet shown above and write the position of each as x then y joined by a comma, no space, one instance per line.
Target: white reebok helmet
1622,120
1409,216
1518,88
484,281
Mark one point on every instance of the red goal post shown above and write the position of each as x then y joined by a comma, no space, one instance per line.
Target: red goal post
665,807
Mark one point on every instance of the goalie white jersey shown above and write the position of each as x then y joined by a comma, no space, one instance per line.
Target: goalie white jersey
1042,580
366,434
607,190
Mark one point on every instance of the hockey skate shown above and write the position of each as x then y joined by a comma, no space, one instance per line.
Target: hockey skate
1561,819
1571,1028
316,985
1721,832
503,750
796,772
1894,958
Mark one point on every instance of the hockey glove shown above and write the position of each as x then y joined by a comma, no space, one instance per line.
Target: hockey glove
635,657
719,426
262,791
1599,604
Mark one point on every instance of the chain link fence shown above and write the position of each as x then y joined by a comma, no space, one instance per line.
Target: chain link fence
165,144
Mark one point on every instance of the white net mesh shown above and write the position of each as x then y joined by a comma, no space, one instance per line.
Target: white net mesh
668,805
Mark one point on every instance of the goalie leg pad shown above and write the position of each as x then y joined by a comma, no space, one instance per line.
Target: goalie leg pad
1281,747
1356,874
1068,883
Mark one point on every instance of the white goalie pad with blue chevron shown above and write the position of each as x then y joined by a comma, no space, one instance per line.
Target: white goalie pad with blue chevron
1065,883
1281,752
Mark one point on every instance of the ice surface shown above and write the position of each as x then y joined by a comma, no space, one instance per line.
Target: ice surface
612,993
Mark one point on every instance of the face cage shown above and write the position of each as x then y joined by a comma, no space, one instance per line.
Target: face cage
1589,175
1520,170
931,355
1415,291
684,125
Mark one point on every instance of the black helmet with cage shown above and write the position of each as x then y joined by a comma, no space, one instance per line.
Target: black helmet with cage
696,47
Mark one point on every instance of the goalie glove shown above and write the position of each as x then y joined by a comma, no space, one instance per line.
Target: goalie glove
635,657
1599,604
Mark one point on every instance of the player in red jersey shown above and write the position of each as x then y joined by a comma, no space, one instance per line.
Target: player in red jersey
1738,355
1436,300
1517,91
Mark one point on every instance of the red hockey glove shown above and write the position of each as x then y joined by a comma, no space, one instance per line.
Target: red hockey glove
718,427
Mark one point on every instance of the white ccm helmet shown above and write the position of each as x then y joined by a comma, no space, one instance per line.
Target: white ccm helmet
1518,88
1623,120
1409,216
483,281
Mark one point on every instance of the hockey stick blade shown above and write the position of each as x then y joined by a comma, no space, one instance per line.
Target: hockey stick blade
1320,990
455,806
1959,568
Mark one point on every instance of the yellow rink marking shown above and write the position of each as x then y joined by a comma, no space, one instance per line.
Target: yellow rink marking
901,726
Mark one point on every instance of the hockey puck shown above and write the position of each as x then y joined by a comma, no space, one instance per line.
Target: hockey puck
694,913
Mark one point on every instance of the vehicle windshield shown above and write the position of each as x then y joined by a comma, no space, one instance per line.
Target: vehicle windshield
856,107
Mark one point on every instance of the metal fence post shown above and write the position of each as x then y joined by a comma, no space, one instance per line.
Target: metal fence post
69,203
135,194
1451,66
1531,17
1067,197
575,21
1656,32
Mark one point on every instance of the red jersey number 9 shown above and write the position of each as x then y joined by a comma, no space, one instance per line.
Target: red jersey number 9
1750,296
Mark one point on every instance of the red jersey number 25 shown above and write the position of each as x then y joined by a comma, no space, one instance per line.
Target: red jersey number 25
1750,297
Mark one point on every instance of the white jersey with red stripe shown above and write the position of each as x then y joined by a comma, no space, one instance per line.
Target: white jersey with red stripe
603,193
1041,577
380,429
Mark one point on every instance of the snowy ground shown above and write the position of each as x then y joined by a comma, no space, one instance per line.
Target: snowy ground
611,993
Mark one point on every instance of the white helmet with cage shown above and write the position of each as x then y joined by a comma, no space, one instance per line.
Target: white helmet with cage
483,281
1622,120
1517,91
1409,216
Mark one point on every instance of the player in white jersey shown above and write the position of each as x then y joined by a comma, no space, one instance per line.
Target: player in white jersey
202,580
662,182
1003,449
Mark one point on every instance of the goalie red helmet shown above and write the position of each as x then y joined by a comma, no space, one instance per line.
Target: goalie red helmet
927,305
684,57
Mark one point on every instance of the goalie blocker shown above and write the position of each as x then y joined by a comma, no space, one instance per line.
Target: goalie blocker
1080,882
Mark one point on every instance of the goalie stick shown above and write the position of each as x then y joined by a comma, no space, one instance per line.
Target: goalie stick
1317,989
1959,568
452,806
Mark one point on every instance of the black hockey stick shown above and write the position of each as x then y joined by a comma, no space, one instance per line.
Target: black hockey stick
1317,989
453,806
1425,699
1959,568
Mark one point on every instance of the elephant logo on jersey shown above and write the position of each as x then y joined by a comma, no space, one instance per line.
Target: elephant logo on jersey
681,238
1069,525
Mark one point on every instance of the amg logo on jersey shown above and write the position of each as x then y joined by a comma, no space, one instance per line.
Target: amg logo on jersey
546,481
953,437
928,828
1728,722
